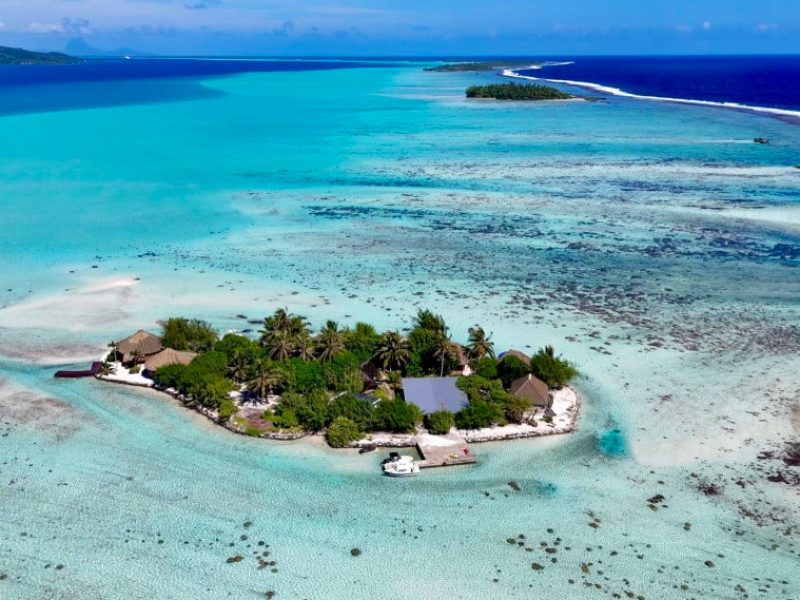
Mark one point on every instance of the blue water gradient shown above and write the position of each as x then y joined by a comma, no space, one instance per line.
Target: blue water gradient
654,244
768,81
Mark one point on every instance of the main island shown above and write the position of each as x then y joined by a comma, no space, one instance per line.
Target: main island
353,386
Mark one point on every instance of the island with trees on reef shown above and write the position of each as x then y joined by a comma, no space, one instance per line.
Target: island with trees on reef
18,56
347,383
482,66
516,91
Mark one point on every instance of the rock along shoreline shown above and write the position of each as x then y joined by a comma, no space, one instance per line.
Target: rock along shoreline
566,406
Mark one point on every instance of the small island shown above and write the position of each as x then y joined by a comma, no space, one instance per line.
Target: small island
18,56
353,386
482,66
515,91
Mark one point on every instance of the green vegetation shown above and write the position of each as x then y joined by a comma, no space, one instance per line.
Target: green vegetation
342,433
485,367
440,422
226,410
553,370
316,381
358,410
512,368
516,91
185,334
481,66
18,56
397,416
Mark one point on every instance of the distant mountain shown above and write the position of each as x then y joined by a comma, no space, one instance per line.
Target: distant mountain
79,47
18,56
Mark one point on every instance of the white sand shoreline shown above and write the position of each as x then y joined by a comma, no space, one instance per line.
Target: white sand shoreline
566,406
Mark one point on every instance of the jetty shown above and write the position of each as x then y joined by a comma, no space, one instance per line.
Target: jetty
443,451
91,372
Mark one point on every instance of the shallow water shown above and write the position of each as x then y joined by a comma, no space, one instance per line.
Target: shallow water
654,244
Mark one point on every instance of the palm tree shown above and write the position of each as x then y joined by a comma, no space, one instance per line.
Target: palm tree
282,320
298,325
427,319
238,366
443,350
304,347
136,355
392,351
480,345
114,350
330,342
263,379
104,370
279,344
279,321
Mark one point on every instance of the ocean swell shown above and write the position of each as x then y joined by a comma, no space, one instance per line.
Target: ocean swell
613,91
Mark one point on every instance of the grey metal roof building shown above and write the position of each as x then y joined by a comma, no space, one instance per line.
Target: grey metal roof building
434,393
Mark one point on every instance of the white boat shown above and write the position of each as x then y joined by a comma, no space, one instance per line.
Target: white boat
403,466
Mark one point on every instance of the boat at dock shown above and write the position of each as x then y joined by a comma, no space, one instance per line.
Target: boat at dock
402,466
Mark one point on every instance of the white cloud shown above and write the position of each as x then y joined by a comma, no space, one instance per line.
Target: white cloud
73,26
707,25
45,28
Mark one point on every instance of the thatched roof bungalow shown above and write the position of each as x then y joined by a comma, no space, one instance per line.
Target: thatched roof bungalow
532,389
516,354
142,342
167,357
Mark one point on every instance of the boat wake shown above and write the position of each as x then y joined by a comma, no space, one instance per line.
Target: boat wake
613,91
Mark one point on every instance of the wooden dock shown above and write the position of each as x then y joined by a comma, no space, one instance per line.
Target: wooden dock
443,451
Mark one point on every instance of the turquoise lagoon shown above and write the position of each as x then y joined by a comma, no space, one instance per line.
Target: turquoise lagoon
653,243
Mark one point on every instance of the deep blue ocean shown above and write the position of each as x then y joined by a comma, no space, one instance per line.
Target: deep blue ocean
768,81
138,81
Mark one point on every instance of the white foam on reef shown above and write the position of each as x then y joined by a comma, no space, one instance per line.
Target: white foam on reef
548,63
614,91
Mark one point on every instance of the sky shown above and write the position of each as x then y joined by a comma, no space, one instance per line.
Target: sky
403,27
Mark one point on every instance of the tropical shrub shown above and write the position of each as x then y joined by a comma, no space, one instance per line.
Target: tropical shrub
343,373
209,390
361,340
310,409
485,367
512,368
440,422
233,345
397,416
478,415
188,334
285,418
211,362
553,370
302,375
479,389
226,410
169,376
342,432
515,408
357,410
